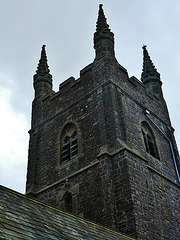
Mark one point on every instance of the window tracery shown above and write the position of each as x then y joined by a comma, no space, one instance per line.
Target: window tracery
69,147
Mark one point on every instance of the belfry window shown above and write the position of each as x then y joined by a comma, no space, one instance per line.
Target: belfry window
74,149
66,149
149,140
69,145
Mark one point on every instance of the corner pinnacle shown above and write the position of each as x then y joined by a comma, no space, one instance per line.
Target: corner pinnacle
149,69
101,24
43,67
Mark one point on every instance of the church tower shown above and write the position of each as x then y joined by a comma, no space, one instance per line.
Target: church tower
103,146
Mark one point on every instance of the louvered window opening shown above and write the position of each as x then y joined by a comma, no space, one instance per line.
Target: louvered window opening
150,145
70,148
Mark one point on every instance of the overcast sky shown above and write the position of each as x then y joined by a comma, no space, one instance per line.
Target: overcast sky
67,27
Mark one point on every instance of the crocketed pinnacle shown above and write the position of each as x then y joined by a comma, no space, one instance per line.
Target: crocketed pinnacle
101,25
42,79
43,67
149,71
103,37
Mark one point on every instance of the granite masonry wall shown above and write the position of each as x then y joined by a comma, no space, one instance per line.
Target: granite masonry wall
112,180
123,174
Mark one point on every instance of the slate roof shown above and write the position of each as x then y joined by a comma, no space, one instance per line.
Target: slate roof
24,218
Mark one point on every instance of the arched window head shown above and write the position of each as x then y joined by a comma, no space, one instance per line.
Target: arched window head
149,140
69,142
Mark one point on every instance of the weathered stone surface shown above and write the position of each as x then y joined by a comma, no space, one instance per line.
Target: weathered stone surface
113,180
25,218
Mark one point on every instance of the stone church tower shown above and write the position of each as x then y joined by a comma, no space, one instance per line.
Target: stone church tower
103,146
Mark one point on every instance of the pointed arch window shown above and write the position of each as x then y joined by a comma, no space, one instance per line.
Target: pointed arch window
149,140
68,202
69,146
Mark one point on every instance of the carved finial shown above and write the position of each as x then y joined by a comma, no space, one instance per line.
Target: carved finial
101,24
150,76
42,76
149,69
102,33
43,67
